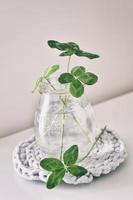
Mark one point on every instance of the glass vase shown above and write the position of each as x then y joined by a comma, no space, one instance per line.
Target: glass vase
62,121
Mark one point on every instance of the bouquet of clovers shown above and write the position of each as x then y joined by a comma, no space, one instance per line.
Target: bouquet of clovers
75,80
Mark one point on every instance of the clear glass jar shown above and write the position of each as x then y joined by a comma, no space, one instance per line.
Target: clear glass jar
62,121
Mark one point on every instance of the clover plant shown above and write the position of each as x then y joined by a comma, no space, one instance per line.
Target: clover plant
78,77
75,80
58,168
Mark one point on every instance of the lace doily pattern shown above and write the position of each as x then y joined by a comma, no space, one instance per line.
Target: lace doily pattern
107,155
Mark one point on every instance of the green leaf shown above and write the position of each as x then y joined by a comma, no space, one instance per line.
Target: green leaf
63,46
86,54
78,71
70,48
37,84
51,164
88,78
76,88
55,178
65,78
77,170
50,70
57,45
66,53
71,155
73,46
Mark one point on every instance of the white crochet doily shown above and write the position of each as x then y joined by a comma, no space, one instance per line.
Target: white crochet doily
107,155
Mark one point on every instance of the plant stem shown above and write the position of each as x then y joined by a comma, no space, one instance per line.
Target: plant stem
73,116
93,145
68,66
88,135
75,119
62,134
51,84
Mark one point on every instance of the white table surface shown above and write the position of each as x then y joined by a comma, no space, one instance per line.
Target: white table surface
118,114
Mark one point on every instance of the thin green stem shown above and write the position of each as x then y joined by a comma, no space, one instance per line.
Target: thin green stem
87,134
68,66
55,89
62,134
73,116
68,69
93,145
75,119
51,84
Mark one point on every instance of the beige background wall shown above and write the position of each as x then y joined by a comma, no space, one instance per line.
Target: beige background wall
104,27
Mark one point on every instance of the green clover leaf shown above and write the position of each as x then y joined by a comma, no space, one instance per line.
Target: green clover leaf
71,155
88,78
76,88
77,170
51,164
73,46
59,168
78,71
66,53
86,54
57,45
65,78
70,48
55,178
76,80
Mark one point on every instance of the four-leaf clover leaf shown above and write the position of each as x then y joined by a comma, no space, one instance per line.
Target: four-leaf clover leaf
77,79
59,168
